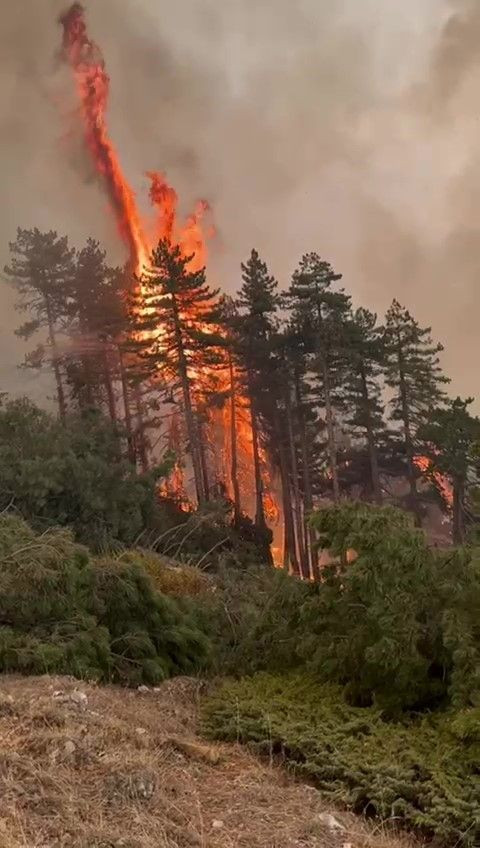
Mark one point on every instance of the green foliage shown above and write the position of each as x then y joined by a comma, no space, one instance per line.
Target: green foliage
460,593
373,624
72,476
255,618
64,613
413,369
423,774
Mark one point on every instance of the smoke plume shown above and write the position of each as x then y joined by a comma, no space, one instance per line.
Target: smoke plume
308,126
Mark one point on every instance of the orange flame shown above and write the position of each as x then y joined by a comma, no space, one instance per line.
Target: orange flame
424,464
93,86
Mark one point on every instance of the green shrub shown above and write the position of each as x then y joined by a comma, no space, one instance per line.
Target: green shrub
62,612
374,624
423,774
254,618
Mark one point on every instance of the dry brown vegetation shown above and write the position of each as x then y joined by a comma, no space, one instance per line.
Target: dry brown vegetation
101,767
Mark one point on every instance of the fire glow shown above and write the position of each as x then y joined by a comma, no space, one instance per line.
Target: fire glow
92,87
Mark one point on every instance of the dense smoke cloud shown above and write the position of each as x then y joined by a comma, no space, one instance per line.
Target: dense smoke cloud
308,126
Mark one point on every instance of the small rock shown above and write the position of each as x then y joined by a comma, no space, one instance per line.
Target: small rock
69,747
58,694
143,690
140,731
79,698
217,824
330,821
347,845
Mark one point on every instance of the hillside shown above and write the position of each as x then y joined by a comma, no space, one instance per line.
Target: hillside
102,767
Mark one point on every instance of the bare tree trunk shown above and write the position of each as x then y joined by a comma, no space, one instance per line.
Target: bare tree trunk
62,406
304,565
126,404
233,443
310,538
409,448
87,370
141,438
331,434
372,448
112,411
203,460
286,497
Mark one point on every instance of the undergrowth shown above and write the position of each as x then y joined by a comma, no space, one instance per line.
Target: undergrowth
422,773
64,612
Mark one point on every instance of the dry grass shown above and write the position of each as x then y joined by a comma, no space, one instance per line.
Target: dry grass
124,769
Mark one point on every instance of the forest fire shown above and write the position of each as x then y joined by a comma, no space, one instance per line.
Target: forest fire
140,237
444,486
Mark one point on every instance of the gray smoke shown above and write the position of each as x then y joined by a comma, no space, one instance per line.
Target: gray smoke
337,127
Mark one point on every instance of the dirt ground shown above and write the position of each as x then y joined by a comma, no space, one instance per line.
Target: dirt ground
100,767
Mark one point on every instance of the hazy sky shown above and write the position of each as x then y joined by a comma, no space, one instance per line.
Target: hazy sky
350,128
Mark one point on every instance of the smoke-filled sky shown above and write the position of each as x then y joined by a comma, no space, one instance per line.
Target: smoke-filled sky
347,128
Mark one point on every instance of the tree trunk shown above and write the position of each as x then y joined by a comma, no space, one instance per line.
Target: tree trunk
372,448
310,538
287,503
192,431
203,460
233,443
126,404
458,529
141,438
332,438
297,501
259,508
87,370
409,449
62,407
107,376
329,413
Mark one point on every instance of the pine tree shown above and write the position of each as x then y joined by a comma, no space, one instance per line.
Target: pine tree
414,374
363,391
321,314
257,304
41,270
175,308
94,306
451,437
